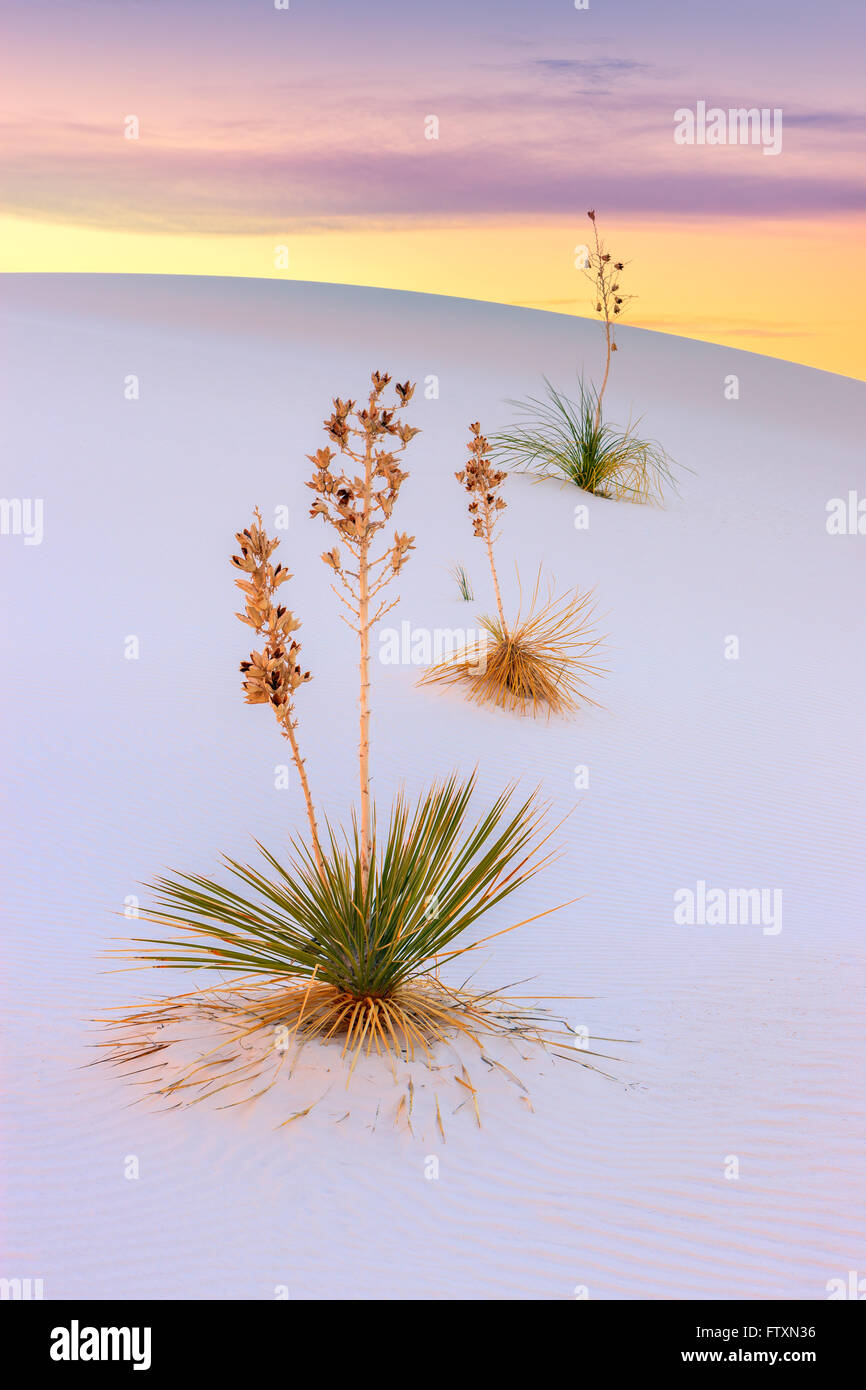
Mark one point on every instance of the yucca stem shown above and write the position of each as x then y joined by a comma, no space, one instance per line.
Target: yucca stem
289,729
488,536
364,664
602,287
605,377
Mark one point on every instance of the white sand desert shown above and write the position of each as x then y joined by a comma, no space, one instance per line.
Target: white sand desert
735,773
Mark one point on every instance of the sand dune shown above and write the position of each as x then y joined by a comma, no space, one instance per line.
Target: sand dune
732,773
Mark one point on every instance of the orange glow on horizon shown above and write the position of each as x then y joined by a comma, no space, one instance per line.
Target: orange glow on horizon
746,284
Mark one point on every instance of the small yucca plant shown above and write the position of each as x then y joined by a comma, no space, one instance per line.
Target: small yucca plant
568,440
345,939
463,582
571,440
541,662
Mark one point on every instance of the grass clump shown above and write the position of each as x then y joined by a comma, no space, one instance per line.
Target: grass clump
568,440
464,583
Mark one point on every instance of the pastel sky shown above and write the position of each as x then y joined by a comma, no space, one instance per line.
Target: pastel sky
306,128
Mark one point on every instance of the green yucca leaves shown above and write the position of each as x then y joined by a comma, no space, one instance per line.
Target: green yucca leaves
463,582
559,438
430,880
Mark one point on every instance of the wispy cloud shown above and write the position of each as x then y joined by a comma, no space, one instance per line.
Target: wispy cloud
590,69
538,137
264,191
826,120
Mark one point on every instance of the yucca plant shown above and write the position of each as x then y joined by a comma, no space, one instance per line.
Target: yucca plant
346,937
540,662
568,440
426,885
463,582
323,954
571,440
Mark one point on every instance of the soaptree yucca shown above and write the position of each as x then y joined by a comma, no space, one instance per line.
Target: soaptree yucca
343,940
570,439
321,951
542,661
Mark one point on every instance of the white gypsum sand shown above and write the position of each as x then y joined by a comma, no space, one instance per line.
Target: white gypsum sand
737,774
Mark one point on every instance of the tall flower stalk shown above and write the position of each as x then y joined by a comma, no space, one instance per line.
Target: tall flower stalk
272,675
542,660
358,505
482,481
603,272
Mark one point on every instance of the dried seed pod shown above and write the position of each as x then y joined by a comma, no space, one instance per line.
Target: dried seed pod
482,480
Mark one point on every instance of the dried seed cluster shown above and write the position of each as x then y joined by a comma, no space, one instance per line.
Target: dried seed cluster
359,505
604,273
481,480
271,676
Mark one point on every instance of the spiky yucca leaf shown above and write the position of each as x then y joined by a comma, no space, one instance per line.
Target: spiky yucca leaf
316,957
559,438
429,881
464,584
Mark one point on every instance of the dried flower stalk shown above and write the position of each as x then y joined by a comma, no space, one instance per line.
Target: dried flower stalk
272,675
603,272
540,661
358,507
347,943
482,481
